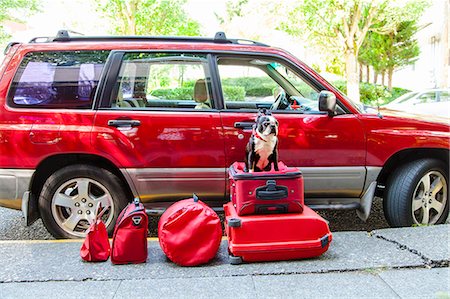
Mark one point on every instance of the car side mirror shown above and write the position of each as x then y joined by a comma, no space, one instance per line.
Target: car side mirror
327,102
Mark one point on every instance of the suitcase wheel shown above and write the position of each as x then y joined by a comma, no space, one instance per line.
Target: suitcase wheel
234,222
235,260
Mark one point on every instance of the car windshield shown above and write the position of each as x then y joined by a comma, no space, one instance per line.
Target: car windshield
404,98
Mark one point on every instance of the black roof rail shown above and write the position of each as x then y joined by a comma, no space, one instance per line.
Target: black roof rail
220,37
9,46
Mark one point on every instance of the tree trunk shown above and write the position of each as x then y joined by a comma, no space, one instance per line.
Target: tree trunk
360,72
351,72
375,77
390,73
130,14
383,75
368,73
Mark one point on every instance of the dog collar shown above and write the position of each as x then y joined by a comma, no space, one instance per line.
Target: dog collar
258,136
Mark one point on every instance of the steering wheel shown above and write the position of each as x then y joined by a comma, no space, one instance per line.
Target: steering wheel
281,101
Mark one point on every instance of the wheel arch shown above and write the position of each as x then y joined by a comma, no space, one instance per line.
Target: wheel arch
409,155
53,163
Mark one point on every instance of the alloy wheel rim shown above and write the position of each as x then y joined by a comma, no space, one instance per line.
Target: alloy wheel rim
429,198
76,202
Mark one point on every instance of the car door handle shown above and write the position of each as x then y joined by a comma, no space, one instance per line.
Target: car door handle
121,123
244,125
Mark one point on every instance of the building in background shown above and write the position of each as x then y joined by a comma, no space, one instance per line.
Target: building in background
432,69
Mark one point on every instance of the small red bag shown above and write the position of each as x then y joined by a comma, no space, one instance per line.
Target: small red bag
190,232
96,246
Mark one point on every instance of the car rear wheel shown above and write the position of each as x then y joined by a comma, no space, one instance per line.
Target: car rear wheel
72,196
417,194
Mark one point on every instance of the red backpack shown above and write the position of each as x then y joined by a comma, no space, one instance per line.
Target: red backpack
130,235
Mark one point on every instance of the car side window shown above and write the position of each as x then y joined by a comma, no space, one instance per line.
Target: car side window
250,83
444,96
162,80
63,79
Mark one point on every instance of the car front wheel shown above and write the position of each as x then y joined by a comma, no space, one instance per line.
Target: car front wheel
417,194
73,195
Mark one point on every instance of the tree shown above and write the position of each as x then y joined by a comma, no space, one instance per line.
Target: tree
387,52
249,19
15,10
149,17
342,26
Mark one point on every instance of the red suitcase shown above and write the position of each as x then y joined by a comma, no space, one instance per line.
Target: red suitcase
266,192
257,238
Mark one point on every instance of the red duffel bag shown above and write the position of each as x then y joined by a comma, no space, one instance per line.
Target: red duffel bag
189,232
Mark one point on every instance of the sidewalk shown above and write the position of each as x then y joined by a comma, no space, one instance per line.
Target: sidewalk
388,263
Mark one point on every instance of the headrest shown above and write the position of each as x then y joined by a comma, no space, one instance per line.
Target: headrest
200,91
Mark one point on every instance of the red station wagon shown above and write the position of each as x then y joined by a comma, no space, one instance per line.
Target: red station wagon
90,120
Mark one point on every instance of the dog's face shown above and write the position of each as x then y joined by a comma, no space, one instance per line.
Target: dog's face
267,125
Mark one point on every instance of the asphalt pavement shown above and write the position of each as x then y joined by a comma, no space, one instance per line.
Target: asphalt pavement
386,263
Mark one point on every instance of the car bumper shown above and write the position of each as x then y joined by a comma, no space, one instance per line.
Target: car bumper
13,184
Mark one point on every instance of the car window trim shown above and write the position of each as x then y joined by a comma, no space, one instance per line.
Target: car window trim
112,70
9,95
212,56
303,75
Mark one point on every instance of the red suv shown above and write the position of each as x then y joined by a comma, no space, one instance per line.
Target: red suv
90,120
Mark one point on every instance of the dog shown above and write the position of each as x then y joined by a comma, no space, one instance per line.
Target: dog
262,147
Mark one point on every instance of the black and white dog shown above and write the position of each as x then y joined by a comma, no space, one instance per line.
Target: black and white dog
262,147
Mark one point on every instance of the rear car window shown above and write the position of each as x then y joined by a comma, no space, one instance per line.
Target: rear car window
65,79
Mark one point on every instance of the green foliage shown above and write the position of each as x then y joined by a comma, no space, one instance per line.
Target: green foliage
15,10
233,93
189,83
262,91
387,52
339,27
373,94
238,88
250,82
150,17
173,93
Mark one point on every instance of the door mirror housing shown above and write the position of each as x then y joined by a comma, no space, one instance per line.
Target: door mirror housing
327,102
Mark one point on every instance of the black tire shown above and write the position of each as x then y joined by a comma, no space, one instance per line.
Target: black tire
235,260
65,187
406,183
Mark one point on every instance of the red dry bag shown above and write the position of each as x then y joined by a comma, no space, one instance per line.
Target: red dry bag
189,232
96,247
130,235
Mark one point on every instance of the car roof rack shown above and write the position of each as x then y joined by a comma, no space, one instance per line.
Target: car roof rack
64,36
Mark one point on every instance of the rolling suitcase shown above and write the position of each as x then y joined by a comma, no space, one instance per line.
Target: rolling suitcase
266,192
256,238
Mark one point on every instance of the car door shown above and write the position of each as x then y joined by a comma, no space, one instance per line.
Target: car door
150,123
329,150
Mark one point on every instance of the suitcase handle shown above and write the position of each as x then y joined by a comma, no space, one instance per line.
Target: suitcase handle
271,191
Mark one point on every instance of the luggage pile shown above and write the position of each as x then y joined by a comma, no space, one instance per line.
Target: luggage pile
267,220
